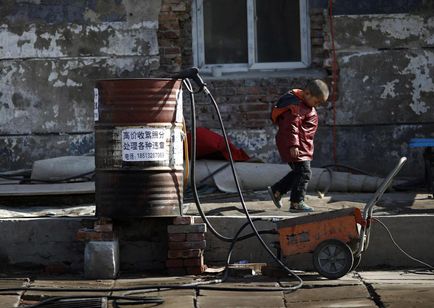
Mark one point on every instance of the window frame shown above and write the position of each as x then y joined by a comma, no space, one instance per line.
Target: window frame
198,42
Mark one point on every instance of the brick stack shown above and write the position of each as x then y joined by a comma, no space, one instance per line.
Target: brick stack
101,251
186,246
102,231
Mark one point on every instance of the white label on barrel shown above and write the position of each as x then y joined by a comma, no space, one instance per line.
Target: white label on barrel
95,104
144,144
178,153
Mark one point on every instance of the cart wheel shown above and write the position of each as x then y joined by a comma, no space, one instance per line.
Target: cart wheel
333,259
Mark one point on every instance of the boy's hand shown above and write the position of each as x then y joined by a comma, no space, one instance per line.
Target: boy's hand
293,152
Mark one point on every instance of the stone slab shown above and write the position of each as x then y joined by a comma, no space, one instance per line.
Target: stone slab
405,295
240,299
354,303
398,277
336,293
9,301
6,283
75,283
172,298
149,281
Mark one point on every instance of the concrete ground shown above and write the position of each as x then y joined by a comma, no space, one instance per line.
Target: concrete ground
357,289
260,204
227,204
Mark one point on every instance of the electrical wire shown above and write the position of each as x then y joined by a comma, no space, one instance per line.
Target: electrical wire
399,247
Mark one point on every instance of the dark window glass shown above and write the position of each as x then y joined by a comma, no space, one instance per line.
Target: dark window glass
278,30
225,31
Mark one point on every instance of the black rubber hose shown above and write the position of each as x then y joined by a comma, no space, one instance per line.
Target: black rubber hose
194,190
53,301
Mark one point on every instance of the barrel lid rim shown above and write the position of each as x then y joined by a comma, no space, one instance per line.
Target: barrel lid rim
128,79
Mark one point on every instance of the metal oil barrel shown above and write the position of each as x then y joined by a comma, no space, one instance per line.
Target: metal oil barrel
138,147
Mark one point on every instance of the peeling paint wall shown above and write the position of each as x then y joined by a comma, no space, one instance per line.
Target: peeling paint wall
386,90
51,53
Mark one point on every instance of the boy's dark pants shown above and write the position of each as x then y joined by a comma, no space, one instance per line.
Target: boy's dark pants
295,181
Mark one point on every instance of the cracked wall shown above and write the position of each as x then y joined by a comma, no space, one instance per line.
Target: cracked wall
51,53
386,90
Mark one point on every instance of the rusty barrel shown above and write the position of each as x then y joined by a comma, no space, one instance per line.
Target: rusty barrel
138,147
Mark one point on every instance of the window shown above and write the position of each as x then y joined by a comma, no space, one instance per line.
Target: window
242,35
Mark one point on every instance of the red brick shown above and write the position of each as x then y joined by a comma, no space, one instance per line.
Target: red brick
177,237
195,237
176,271
187,245
172,51
170,263
196,270
183,220
92,235
170,34
184,254
193,262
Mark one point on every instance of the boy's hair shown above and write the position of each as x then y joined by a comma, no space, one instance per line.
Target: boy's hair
319,89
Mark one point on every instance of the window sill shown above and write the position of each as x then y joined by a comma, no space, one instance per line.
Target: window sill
259,74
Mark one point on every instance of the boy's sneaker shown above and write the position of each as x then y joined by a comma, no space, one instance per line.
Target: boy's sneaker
300,207
276,200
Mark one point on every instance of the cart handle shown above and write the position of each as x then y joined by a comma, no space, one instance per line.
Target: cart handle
367,211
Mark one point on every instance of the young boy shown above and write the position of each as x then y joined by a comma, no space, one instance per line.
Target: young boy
297,119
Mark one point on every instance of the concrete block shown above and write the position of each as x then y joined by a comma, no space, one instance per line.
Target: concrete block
196,228
101,259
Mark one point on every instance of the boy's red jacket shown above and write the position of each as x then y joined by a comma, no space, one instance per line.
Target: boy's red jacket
297,124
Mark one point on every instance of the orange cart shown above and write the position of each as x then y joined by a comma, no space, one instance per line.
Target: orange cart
336,238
